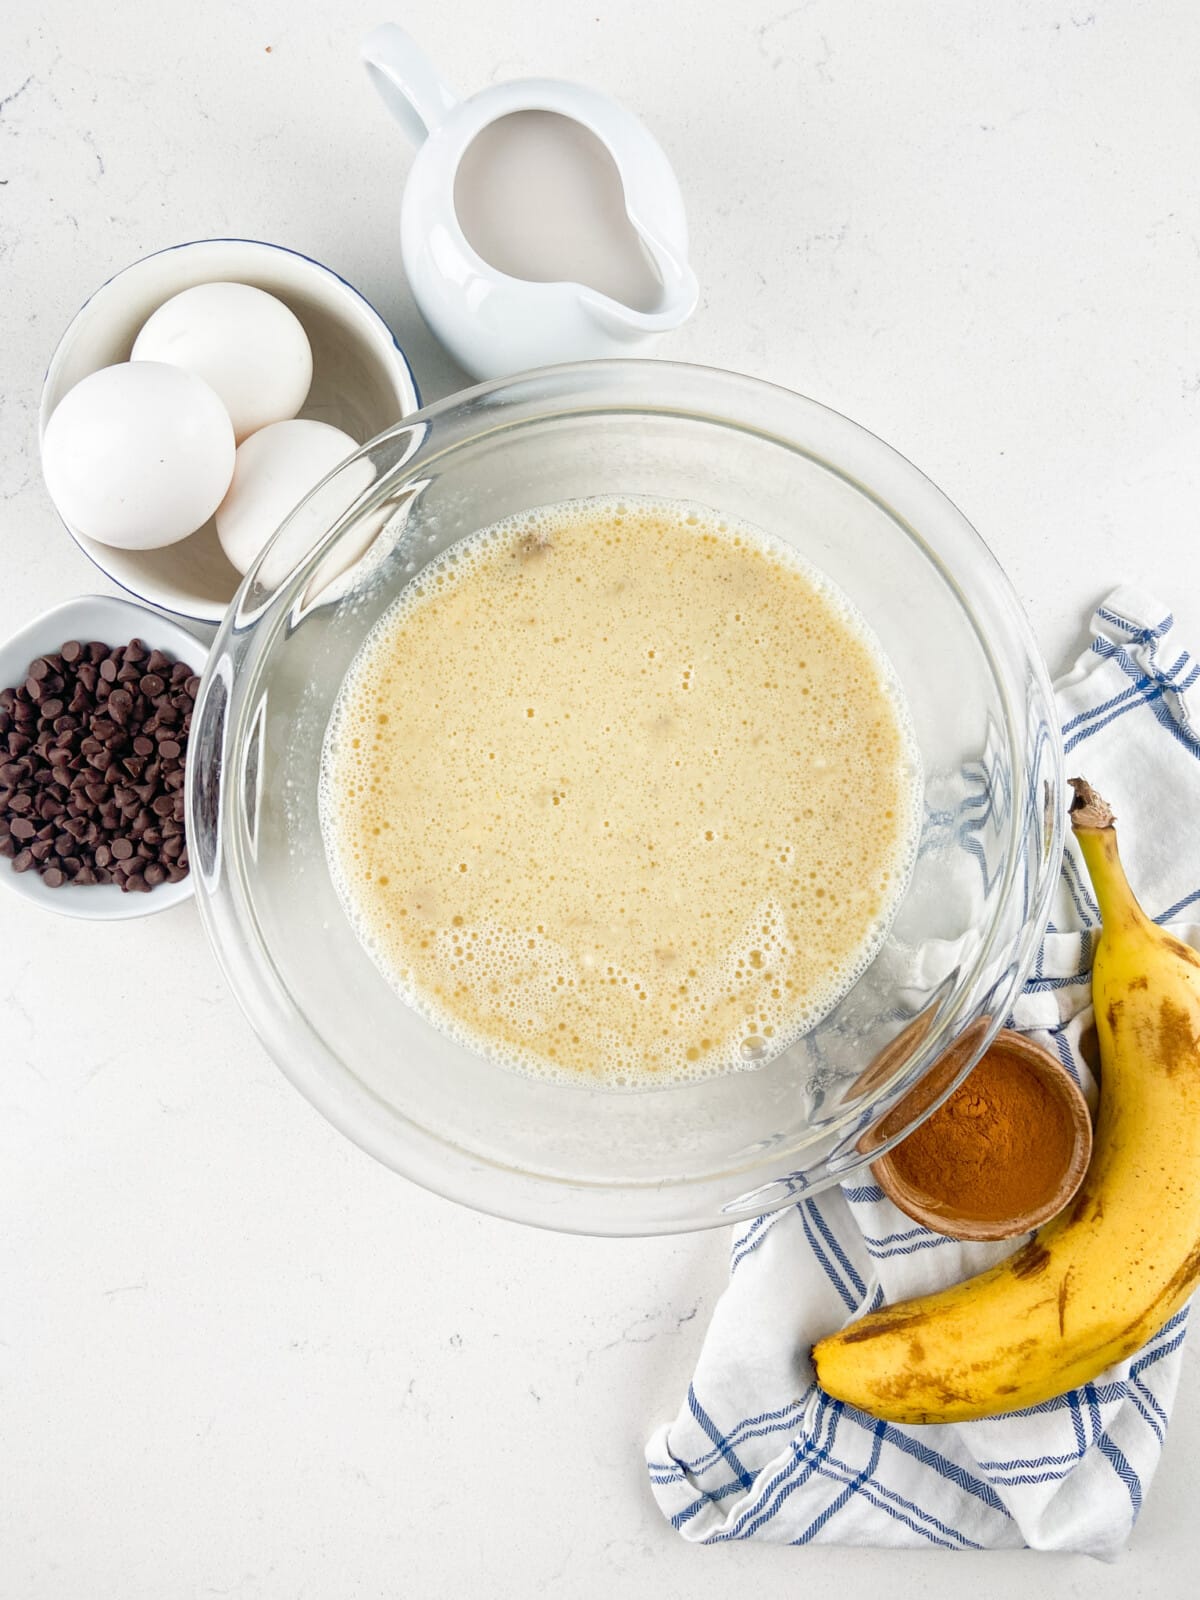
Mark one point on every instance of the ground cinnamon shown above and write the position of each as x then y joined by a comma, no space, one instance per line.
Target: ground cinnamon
996,1148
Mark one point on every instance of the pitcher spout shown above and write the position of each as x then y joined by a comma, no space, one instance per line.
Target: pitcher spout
678,300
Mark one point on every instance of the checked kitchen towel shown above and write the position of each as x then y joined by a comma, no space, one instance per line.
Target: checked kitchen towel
757,1451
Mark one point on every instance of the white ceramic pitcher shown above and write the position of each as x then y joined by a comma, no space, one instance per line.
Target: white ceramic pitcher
492,323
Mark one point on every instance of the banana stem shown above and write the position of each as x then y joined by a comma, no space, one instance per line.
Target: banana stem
1092,820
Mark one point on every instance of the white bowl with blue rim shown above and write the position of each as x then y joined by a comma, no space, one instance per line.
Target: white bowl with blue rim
115,621
362,383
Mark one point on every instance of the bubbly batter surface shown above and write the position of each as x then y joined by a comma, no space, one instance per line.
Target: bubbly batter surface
621,790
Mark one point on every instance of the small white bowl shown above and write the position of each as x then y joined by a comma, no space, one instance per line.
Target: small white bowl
362,384
115,621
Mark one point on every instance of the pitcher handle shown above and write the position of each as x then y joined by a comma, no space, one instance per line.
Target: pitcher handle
410,84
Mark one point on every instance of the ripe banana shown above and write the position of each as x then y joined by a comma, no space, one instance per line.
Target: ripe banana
1099,1280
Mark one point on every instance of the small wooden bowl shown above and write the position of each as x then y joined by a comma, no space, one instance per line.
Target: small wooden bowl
941,1212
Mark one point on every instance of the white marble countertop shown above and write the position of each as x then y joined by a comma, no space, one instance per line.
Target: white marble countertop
236,1356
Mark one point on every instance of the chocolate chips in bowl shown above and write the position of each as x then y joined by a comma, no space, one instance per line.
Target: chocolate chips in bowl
95,712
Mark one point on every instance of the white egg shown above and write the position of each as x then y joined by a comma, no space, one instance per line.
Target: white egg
275,468
138,455
242,341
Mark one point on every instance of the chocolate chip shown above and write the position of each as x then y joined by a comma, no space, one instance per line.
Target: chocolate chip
54,878
71,651
22,828
121,849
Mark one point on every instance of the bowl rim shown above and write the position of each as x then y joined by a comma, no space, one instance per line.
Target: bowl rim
161,632
404,381
436,1161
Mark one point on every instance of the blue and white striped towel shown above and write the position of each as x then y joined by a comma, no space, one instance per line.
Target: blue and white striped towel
757,1451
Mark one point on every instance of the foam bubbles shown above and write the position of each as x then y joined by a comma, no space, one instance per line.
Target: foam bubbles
618,789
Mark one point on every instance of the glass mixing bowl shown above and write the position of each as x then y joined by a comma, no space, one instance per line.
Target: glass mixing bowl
682,1156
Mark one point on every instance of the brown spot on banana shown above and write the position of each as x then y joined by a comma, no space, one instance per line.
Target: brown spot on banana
1178,1046
1183,951
1183,1279
1087,1203
899,1388
878,1323
1030,1260
1064,1294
